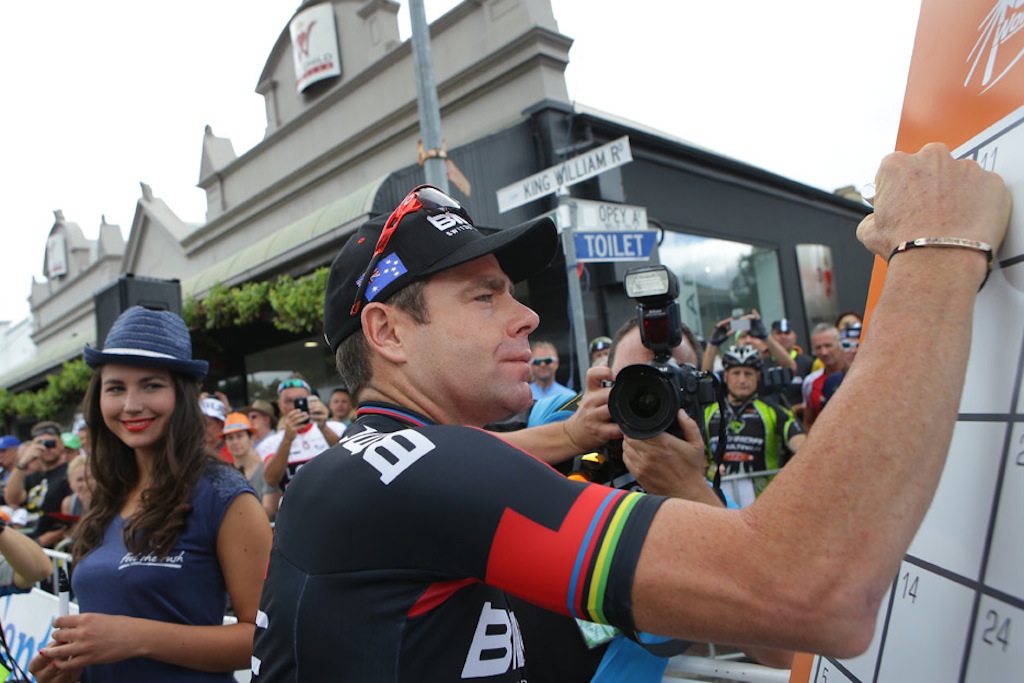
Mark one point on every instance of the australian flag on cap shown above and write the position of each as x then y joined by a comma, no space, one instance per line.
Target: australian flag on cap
387,271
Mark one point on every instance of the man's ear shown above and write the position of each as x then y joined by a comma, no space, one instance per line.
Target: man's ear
382,329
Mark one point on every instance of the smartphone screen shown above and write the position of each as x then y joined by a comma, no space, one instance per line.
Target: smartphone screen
302,403
741,325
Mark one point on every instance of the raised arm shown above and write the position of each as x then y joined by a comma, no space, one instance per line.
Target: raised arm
803,571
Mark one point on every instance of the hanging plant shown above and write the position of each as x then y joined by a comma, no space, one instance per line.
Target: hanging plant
63,389
290,304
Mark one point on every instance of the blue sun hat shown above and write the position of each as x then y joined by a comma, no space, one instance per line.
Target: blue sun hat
151,339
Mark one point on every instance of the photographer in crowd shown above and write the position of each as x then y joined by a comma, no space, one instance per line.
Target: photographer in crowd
433,524
42,491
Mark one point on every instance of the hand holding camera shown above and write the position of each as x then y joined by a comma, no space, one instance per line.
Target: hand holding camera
646,398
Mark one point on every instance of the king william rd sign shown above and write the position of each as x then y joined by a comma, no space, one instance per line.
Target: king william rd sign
572,171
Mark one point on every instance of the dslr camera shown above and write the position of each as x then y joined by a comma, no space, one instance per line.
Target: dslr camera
646,398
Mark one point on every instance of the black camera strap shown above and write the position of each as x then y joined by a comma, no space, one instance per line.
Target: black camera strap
719,455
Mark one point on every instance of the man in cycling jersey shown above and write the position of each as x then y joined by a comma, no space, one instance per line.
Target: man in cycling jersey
430,525
759,435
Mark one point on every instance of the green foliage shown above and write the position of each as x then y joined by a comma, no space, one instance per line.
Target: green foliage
64,388
299,304
290,304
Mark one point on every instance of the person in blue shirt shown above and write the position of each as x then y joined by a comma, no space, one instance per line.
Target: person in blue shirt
543,367
171,534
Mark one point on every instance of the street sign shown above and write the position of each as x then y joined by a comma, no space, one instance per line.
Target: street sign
570,172
615,245
591,215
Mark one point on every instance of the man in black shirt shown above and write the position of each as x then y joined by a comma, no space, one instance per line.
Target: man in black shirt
431,525
42,491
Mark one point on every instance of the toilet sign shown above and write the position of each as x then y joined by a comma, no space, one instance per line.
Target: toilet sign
615,245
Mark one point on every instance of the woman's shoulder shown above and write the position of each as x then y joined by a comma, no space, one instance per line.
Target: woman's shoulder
221,481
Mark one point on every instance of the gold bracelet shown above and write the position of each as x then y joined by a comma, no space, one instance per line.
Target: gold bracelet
955,242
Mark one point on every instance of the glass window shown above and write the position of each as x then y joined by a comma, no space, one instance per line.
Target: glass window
265,369
718,278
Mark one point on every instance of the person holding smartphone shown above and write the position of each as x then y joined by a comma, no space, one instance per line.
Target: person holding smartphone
42,491
304,432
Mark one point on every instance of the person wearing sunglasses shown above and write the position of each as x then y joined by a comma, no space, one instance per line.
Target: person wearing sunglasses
305,432
543,368
41,491
396,552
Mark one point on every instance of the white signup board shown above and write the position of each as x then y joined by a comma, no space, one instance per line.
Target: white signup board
955,611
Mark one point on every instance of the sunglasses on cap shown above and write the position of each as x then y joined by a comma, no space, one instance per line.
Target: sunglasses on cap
293,384
543,361
45,430
425,197
847,344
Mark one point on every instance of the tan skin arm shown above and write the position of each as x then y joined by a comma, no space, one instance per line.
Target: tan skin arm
14,489
274,467
319,413
243,549
793,570
586,430
26,557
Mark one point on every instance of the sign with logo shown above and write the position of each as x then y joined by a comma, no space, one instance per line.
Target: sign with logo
615,245
568,173
314,45
56,256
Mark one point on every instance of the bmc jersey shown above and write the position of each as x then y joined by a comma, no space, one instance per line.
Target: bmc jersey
392,557
757,437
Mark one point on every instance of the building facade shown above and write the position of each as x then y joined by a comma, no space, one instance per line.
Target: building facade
340,149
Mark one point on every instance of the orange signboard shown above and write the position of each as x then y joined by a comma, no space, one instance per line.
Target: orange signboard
966,73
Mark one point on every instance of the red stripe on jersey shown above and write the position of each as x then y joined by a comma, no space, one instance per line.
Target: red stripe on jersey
436,594
530,560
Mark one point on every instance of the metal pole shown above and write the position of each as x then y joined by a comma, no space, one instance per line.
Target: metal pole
579,328
435,170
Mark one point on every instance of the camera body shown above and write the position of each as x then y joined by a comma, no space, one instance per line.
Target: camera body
49,443
646,398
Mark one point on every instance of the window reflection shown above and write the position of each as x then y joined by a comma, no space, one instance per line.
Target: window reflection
717,277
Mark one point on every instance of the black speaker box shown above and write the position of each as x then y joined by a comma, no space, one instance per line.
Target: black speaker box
129,290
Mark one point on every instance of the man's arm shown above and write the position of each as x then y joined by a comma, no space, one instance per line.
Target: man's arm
796,570
275,465
14,489
718,337
586,430
319,413
666,466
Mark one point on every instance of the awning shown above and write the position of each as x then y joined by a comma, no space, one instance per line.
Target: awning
284,244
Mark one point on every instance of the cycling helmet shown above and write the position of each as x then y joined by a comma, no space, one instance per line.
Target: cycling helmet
742,355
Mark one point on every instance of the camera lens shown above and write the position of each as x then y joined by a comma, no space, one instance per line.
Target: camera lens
49,443
644,401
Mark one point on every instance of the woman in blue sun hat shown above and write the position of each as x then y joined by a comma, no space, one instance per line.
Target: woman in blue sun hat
171,533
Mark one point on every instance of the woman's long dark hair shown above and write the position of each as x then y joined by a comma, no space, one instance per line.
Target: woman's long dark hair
164,506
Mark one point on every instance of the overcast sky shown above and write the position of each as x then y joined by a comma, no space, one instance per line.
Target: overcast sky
103,95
